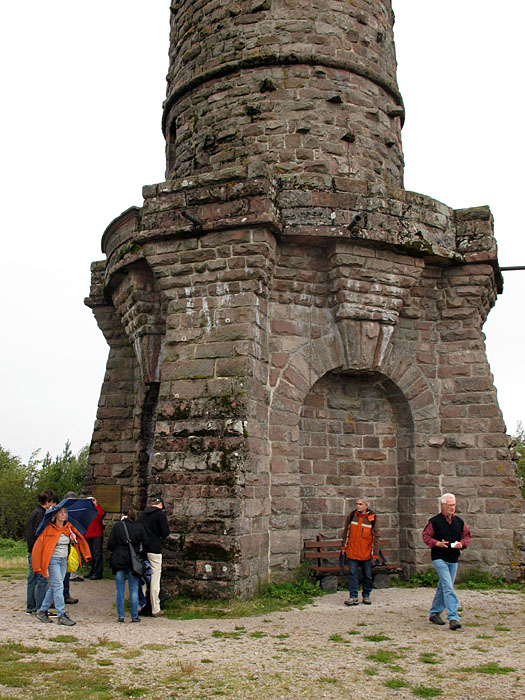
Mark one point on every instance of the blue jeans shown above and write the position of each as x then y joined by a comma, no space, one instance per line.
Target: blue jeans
133,584
445,594
55,593
353,580
66,585
36,588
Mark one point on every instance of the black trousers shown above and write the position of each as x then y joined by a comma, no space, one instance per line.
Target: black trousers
97,563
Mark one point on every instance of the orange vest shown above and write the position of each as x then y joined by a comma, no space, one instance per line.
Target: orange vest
360,536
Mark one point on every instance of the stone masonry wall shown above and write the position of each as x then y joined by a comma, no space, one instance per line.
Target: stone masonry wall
290,329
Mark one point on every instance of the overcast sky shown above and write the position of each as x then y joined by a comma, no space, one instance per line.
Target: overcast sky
82,88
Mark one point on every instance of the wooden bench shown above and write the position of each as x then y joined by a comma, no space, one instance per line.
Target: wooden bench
323,557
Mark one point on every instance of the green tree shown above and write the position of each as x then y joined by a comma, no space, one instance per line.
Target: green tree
16,496
20,484
518,448
64,473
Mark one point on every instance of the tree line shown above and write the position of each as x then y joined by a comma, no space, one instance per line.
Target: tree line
21,483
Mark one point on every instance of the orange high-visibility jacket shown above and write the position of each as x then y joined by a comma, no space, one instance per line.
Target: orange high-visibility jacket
360,536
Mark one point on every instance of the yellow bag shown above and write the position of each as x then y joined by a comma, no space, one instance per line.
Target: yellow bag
73,562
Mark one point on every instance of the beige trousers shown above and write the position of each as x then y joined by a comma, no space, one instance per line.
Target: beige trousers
155,561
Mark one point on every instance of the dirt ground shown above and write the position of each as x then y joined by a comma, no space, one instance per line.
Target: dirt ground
326,650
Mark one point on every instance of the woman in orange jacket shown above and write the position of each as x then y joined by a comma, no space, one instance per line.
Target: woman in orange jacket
49,558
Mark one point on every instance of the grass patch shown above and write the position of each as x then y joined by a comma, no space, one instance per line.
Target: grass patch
65,638
155,647
127,691
428,657
383,656
218,634
424,691
396,683
501,628
492,668
13,558
370,671
107,643
271,598
13,549
423,579
376,638
338,639
130,654
473,579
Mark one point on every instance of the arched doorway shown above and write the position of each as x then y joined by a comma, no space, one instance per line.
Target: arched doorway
356,439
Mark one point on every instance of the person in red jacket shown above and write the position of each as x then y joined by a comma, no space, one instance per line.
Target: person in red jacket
360,544
95,538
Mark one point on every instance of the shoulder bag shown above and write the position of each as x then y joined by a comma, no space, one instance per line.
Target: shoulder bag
138,567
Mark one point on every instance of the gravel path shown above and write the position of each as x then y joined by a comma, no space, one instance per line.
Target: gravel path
325,650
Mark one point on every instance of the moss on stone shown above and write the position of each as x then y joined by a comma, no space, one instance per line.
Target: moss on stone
209,551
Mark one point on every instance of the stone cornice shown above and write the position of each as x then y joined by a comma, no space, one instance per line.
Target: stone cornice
274,59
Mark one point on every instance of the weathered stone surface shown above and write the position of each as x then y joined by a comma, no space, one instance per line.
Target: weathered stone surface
288,327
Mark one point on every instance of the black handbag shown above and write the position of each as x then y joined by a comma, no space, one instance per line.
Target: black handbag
138,566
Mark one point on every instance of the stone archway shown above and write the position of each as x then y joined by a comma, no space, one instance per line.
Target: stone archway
355,438
400,395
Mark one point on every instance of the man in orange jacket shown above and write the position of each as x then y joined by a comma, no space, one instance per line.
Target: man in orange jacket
360,544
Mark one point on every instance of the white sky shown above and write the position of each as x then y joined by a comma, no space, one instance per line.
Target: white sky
82,92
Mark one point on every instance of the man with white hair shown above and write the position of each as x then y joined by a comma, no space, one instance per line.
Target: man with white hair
446,535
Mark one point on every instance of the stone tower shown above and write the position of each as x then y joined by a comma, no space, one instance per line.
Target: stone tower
288,327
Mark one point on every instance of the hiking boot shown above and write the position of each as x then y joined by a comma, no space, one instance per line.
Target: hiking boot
30,612
43,616
158,614
436,619
351,601
454,624
136,619
65,620
70,601
120,619
366,600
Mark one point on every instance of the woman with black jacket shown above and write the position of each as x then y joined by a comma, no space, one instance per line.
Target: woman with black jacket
120,561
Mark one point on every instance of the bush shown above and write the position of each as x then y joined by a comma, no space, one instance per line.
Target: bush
425,579
10,549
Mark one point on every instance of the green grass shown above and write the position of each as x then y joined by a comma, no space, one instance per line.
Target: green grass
271,598
423,691
64,638
338,638
152,646
376,637
384,656
502,628
492,668
13,559
396,683
428,657
471,579
10,549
